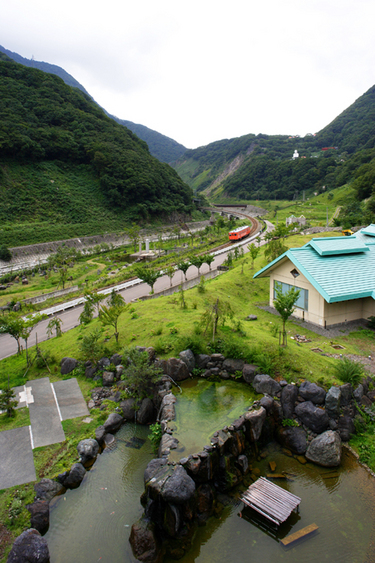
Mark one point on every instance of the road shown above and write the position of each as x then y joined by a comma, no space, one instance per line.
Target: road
70,317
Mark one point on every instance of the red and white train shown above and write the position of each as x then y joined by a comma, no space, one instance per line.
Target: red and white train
239,233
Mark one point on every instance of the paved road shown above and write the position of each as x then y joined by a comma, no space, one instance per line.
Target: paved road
70,317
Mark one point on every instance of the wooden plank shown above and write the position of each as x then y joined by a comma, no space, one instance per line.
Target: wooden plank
300,534
270,500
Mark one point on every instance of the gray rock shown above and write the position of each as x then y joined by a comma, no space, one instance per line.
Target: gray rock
153,467
265,384
39,511
243,463
315,418
268,403
255,421
358,393
109,440
75,477
103,363
249,371
67,365
167,443
127,407
346,394
90,370
332,401
167,409
88,450
146,412
312,392
289,396
108,378
179,488
188,358
46,489
145,543
251,318
29,547
346,428
292,437
325,449
99,434
113,422
176,369
231,366
116,359
201,361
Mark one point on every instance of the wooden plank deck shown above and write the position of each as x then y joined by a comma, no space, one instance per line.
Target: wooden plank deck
300,534
270,500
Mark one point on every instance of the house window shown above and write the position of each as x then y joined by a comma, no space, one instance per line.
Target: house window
303,299
295,273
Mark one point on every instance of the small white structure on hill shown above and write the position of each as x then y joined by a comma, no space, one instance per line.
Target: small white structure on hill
292,219
295,154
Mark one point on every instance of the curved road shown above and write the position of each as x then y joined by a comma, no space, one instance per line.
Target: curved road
70,317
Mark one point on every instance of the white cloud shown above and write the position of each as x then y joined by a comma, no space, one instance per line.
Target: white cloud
202,71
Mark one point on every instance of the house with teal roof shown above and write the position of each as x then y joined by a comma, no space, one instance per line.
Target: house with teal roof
335,276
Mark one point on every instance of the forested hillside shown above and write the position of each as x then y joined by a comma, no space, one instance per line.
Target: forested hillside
160,146
44,123
262,167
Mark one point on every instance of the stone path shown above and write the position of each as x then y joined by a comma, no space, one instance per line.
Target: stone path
49,404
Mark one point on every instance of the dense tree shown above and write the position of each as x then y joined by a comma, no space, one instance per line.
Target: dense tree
284,304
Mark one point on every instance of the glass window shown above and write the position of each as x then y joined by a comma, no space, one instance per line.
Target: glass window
303,299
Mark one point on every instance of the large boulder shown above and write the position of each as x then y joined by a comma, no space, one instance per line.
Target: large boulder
332,401
75,476
167,443
231,366
358,393
100,434
292,437
113,422
265,384
167,409
345,427
315,418
67,365
116,359
108,378
325,449
103,363
127,407
88,451
46,489
29,547
179,488
153,467
145,543
146,412
312,392
289,396
254,420
176,369
201,361
249,371
346,394
188,358
39,511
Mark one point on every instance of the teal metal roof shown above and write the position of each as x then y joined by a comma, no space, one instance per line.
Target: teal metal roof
370,230
338,245
337,277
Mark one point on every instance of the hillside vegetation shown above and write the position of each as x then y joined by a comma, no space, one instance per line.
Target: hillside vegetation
261,167
62,160
160,146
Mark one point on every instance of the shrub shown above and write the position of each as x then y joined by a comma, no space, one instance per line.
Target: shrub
5,253
289,422
155,436
139,375
265,363
194,342
348,371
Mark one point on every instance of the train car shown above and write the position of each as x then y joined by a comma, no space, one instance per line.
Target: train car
239,233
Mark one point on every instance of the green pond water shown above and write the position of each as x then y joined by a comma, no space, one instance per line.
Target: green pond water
93,522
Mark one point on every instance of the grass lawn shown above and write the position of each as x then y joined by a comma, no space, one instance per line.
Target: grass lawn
162,323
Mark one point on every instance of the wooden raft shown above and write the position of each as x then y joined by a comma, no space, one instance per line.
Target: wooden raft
292,538
273,502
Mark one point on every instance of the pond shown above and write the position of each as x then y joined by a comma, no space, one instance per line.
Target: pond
204,407
341,503
93,522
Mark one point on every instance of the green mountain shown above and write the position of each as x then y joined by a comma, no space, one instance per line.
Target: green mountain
262,167
163,148
64,162
160,146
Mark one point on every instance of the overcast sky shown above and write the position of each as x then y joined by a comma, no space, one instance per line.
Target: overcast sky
200,71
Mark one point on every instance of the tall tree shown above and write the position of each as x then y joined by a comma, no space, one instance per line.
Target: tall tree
148,275
285,305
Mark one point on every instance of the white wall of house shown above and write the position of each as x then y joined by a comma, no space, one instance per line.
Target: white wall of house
319,311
